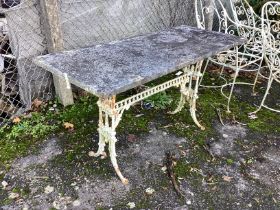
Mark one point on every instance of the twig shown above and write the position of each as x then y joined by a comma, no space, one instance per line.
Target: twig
235,121
209,151
170,171
218,112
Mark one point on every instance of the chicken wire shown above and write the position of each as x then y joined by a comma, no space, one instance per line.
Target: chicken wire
82,23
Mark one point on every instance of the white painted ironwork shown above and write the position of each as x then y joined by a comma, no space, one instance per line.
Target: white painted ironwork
271,45
110,111
241,20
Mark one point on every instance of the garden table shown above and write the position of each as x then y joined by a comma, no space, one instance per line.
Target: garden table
108,69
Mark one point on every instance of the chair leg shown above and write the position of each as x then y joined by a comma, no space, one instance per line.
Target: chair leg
204,70
231,90
257,76
269,84
234,80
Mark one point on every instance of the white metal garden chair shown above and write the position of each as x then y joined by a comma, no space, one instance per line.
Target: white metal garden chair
271,46
237,18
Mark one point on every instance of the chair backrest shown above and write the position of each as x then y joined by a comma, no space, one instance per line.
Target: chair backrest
213,15
243,13
235,17
271,34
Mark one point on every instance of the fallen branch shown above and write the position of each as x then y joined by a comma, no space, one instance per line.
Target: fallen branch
170,172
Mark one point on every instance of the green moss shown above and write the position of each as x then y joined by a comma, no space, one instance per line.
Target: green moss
6,201
17,140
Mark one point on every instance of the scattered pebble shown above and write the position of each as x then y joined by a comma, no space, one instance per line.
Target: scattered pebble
189,202
131,205
4,184
13,195
25,207
91,153
56,205
249,205
73,184
150,191
49,189
164,168
76,203
225,136
164,133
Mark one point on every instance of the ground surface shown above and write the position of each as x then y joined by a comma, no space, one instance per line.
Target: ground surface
231,166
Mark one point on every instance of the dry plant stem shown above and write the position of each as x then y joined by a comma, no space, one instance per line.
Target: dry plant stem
170,171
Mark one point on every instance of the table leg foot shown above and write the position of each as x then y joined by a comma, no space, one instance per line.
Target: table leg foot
101,146
113,155
180,105
193,115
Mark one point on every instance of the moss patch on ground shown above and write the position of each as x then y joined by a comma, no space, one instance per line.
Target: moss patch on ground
17,139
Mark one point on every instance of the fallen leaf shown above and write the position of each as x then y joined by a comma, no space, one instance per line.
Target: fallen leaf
68,125
37,103
131,138
252,116
179,73
16,120
227,178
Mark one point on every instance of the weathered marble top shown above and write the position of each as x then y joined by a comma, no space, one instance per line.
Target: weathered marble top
112,68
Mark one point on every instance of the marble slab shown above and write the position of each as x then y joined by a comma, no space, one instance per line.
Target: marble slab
112,68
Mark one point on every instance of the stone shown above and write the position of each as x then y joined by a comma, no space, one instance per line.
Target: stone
49,189
109,69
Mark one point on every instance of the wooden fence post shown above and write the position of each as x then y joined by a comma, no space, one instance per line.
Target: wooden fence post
54,36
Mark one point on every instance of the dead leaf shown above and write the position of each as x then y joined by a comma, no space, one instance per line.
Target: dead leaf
252,116
131,138
16,120
227,178
68,126
37,103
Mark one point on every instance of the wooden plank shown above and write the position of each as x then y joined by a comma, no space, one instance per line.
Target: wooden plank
52,29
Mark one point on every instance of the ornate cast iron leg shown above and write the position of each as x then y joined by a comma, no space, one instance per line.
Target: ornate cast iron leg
110,112
193,96
109,119
190,93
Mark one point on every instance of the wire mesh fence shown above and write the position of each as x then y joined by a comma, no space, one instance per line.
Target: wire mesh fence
82,23
24,34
